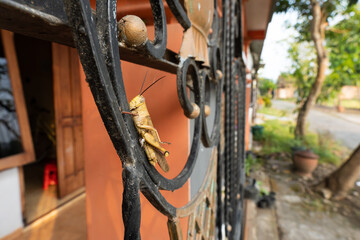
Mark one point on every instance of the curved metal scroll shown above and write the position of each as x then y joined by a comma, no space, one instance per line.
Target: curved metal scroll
158,47
179,13
97,44
211,139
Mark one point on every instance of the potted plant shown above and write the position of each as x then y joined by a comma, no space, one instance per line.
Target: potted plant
339,107
305,162
257,132
297,146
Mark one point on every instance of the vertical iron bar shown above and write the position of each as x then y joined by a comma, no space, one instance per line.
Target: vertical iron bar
227,117
131,210
241,138
232,159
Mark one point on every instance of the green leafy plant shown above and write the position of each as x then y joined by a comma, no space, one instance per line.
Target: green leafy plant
267,101
343,43
278,137
313,18
272,111
266,86
251,162
262,189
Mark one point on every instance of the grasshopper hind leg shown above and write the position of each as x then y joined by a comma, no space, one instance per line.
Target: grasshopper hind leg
150,153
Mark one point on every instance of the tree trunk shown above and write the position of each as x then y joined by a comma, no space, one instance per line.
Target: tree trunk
318,36
343,179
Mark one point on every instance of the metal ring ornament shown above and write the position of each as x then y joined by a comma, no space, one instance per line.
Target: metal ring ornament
187,69
215,61
207,139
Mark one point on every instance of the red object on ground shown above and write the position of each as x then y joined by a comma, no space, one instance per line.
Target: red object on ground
50,175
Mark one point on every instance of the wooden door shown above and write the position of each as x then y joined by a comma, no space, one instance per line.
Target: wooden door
68,115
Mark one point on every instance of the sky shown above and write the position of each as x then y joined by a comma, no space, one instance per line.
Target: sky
274,53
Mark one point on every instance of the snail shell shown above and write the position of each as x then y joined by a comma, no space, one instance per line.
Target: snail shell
132,31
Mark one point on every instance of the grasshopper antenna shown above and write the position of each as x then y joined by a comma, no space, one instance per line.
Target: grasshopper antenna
141,93
143,82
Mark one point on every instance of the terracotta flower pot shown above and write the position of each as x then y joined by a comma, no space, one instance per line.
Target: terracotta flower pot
340,108
305,162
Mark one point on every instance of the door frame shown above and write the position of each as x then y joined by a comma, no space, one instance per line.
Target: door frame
28,154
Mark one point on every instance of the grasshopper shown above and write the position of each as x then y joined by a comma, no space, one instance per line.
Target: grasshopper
150,139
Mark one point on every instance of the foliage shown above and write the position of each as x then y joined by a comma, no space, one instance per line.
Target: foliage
313,18
267,101
292,99
265,86
346,103
286,80
344,49
279,138
251,162
262,188
303,67
330,9
272,111
343,43
326,147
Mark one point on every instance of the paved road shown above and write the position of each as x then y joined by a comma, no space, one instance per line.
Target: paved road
345,129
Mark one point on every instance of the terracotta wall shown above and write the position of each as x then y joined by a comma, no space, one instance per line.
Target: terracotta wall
349,92
288,92
103,167
248,117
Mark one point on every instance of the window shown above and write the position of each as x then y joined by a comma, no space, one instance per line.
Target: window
16,147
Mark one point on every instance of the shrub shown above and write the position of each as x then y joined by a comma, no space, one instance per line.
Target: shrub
267,101
278,137
266,85
251,162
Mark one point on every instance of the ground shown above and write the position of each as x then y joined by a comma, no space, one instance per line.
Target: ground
299,211
65,223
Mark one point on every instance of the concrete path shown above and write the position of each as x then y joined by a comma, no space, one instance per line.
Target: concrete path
261,223
342,126
295,215
296,222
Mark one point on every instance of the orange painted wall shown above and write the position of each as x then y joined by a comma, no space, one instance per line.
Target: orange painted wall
103,167
247,106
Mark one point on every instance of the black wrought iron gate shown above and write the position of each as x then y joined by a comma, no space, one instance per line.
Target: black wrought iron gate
216,212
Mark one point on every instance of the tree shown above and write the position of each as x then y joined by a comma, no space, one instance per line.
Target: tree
302,68
312,25
343,41
286,80
343,179
265,86
343,44
313,20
